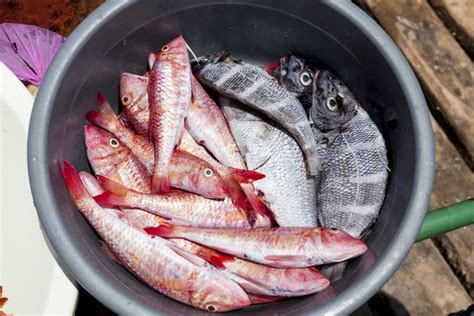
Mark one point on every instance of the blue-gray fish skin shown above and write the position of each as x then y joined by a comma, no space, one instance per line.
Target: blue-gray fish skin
267,148
351,187
252,86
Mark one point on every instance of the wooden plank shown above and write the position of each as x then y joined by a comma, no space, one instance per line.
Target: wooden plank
458,15
424,285
444,69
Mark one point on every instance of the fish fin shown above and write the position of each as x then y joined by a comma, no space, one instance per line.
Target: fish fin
165,230
104,106
108,199
214,258
285,258
112,186
196,260
266,216
102,120
270,68
334,272
160,184
246,176
122,117
109,252
91,183
238,198
263,299
73,181
151,60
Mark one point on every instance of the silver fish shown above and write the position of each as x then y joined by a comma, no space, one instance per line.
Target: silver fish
272,151
252,86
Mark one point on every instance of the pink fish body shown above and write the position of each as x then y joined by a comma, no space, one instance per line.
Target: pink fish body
169,95
187,208
134,99
159,263
260,279
279,247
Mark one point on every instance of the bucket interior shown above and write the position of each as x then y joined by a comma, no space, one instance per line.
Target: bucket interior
255,33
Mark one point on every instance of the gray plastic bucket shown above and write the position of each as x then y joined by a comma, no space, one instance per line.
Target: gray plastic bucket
118,37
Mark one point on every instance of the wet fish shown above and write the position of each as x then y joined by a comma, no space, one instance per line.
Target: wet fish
187,171
187,208
208,126
279,247
252,86
110,159
134,100
351,187
169,95
159,263
260,279
269,149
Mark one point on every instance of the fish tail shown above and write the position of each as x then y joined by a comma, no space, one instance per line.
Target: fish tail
238,197
214,258
165,230
73,182
105,117
108,199
103,105
151,60
246,176
264,213
112,186
263,299
270,68
160,184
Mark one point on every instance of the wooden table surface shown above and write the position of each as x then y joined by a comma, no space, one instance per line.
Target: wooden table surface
436,36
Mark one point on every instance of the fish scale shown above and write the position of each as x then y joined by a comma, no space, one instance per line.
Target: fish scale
272,151
252,86
351,187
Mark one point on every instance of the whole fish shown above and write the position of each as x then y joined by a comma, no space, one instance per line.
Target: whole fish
272,151
159,263
169,95
134,100
187,208
112,160
252,86
188,172
351,186
208,126
279,247
215,130
259,279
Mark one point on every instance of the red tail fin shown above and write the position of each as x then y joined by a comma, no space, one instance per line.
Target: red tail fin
73,182
238,198
214,258
104,105
90,182
151,60
263,299
270,68
246,176
164,230
100,120
160,184
112,186
108,199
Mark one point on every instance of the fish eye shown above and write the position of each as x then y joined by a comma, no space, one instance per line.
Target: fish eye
165,48
306,78
331,104
210,308
126,100
208,172
114,143
333,229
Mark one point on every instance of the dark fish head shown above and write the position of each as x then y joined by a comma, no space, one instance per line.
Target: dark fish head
295,75
333,104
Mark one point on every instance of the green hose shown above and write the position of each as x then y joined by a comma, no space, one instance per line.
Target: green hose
446,219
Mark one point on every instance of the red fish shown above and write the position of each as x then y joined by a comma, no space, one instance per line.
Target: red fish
169,95
279,247
134,99
159,263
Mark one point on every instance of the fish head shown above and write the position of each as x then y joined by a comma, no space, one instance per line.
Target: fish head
208,182
339,245
220,296
105,152
295,75
202,62
133,89
333,103
172,50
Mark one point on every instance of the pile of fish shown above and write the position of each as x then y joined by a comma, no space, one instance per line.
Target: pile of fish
218,206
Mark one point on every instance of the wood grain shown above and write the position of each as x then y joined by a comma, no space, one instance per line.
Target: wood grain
445,71
458,15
